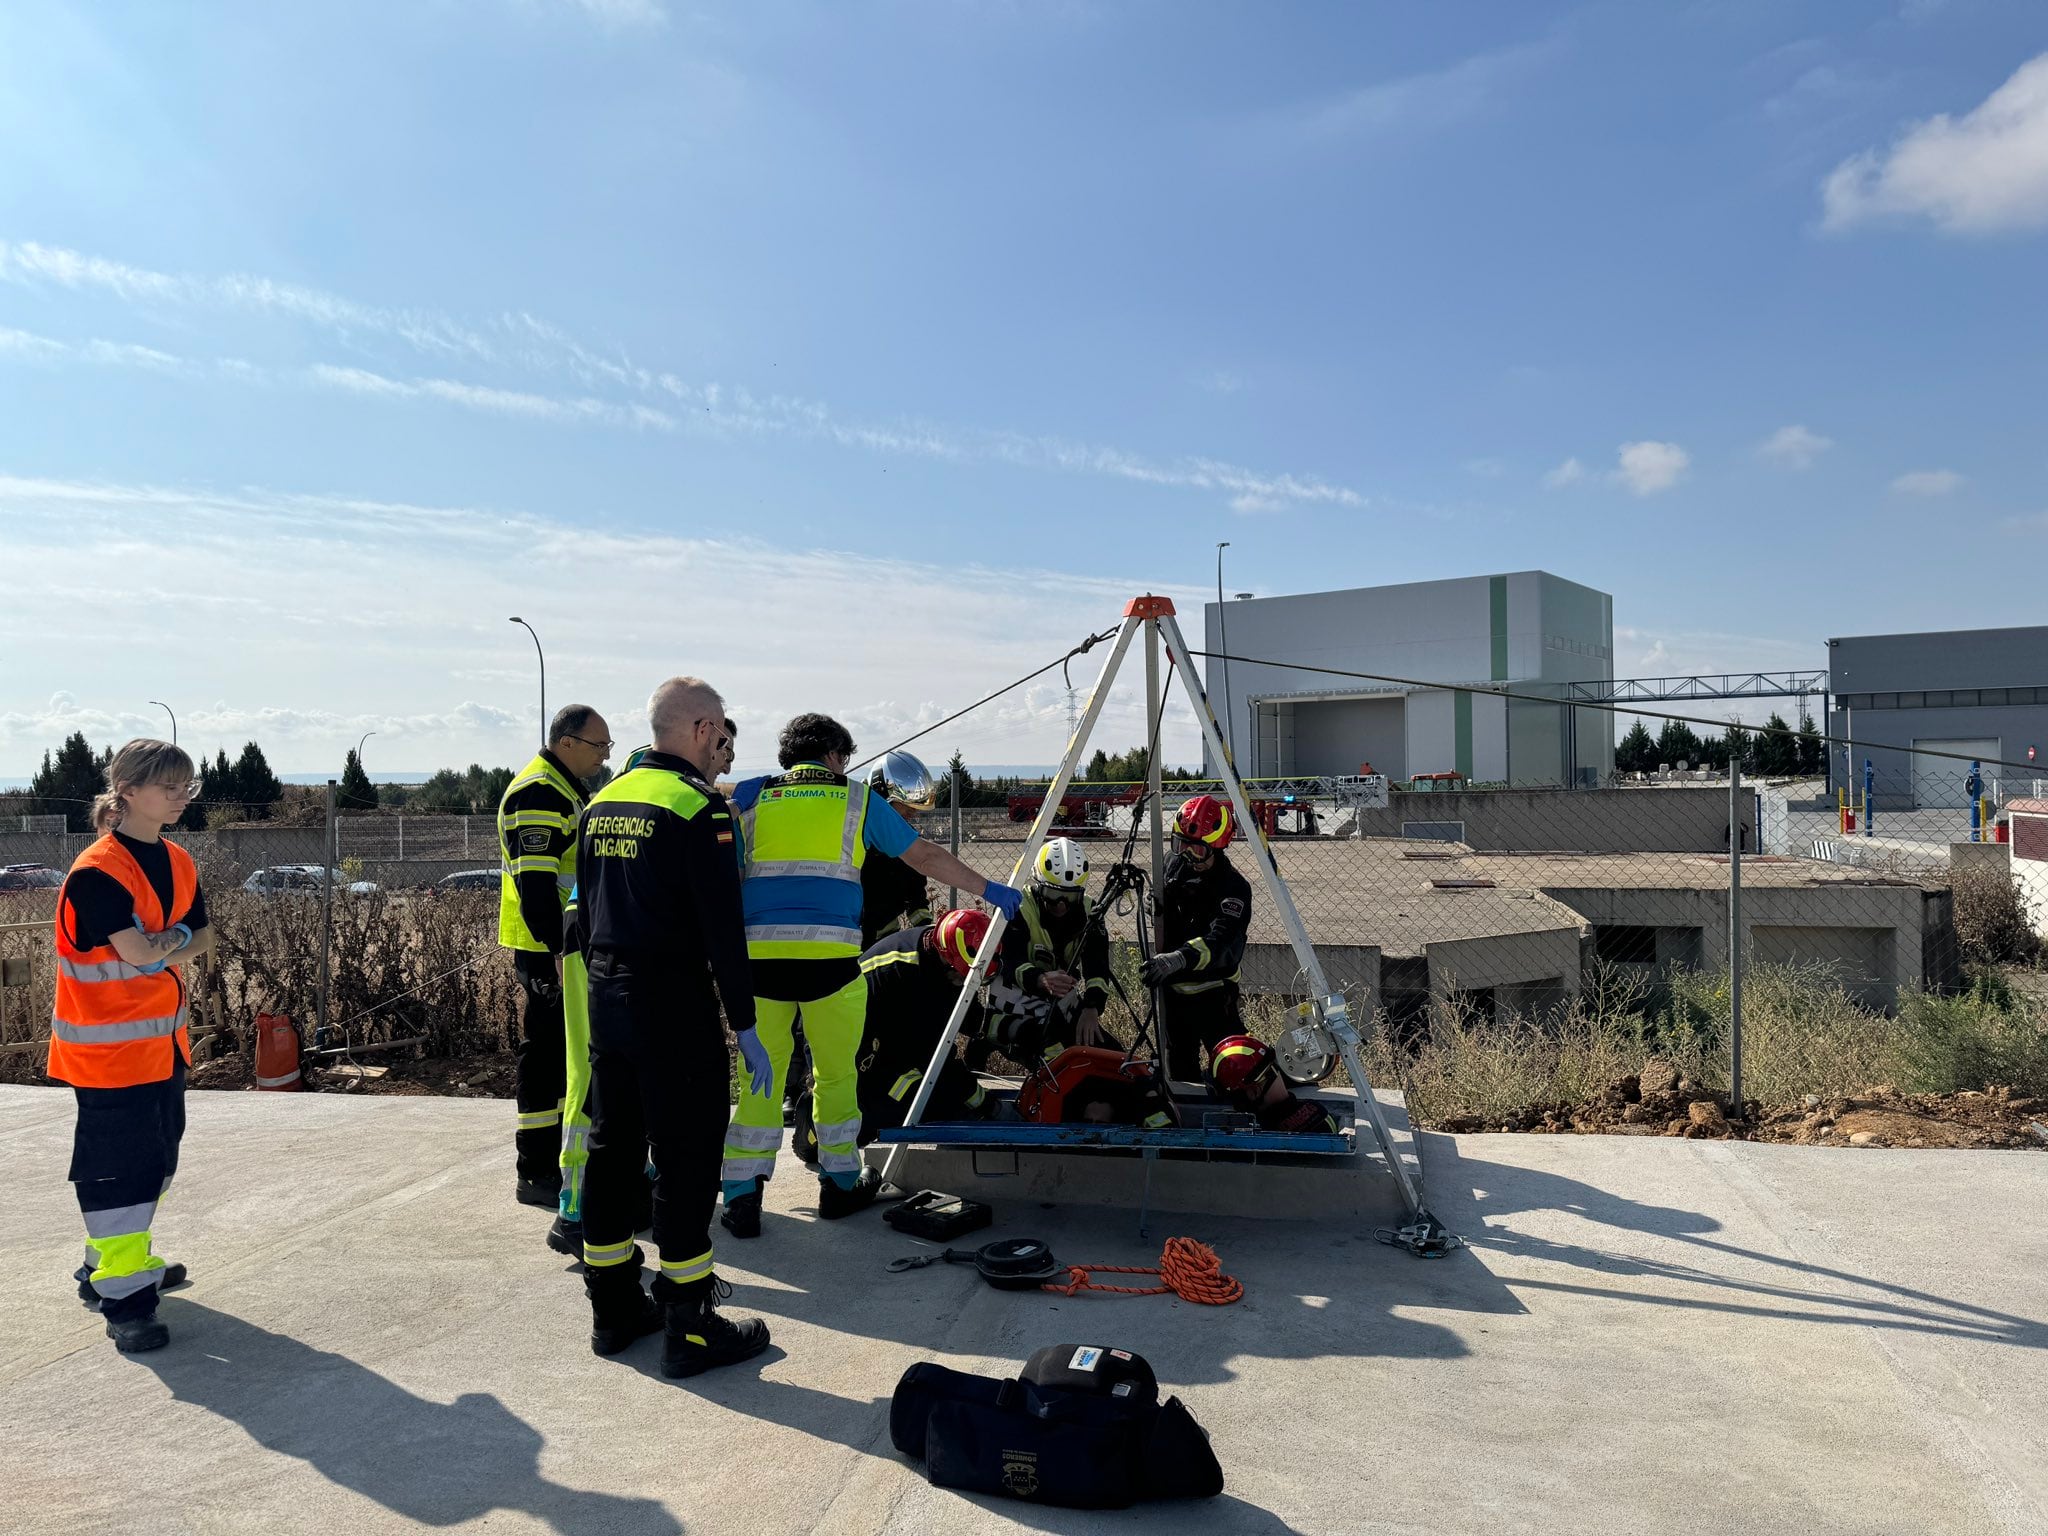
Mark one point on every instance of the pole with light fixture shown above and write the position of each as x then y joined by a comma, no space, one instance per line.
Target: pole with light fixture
543,678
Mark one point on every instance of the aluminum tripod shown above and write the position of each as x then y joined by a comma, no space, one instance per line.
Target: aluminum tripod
1154,616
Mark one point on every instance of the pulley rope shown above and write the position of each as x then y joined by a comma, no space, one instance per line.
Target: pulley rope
1189,1270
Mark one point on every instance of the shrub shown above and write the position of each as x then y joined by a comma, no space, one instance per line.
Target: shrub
1992,922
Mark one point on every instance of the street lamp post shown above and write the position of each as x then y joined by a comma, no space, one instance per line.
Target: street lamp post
543,678
359,751
160,704
1223,642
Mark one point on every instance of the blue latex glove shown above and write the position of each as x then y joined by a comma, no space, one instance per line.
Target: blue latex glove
1006,899
760,1071
185,937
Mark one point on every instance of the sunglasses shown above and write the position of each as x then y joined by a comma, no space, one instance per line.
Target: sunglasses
728,733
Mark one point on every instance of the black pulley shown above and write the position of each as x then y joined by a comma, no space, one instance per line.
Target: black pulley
1008,1264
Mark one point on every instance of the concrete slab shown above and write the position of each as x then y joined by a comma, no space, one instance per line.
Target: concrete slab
1644,1334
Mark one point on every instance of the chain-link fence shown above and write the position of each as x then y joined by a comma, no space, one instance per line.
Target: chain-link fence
1512,947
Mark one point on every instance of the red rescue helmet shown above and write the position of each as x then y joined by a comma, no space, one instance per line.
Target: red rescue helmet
1240,1065
1205,819
959,935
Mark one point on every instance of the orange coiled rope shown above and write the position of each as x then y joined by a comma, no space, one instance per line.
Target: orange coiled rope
1190,1269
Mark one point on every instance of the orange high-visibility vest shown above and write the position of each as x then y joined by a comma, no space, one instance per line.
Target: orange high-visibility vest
114,1027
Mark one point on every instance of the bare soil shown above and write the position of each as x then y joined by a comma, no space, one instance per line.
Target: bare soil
473,1077
1658,1103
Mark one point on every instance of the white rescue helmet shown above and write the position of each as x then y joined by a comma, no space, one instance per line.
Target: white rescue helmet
1062,865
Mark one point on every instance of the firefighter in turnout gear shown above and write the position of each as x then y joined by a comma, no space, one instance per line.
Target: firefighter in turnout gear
1205,905
893,896
1052,978
658,906
129,917
537,860
806,834
914,979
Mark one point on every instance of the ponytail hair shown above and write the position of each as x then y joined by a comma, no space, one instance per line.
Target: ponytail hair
142,761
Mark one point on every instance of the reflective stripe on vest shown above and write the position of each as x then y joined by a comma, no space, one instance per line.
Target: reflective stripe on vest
801,933
112,1024
1007,995
513,932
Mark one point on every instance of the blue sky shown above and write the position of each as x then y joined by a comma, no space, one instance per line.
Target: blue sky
863,356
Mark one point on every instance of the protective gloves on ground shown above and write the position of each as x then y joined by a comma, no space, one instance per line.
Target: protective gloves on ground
1005,899
760,1071
1160,967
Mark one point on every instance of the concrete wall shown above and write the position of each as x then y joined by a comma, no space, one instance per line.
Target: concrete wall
1660,819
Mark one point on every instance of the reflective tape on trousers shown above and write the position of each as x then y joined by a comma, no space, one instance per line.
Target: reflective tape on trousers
736,1169
120,1220
754,1138
116,1034
839,1132
801,933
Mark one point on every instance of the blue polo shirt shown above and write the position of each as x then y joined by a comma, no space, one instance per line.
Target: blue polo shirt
809,901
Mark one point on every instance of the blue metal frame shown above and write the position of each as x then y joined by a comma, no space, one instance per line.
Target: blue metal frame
1015,1134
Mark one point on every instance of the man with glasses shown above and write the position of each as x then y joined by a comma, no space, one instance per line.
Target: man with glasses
537,860
658,913
805,835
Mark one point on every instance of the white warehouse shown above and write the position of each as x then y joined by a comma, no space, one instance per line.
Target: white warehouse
1458,645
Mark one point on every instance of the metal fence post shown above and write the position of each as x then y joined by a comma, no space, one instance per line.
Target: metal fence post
1735,936
953,798
330,851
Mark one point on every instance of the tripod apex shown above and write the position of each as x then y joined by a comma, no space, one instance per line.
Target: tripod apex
1149,607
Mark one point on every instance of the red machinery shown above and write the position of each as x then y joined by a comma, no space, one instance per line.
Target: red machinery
1091,1083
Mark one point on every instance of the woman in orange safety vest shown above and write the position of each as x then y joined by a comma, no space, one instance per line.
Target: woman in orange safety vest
130,914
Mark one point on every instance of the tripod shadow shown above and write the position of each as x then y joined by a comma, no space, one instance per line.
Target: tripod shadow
437,1464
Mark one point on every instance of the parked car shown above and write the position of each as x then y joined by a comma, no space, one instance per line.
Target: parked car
29,877
468,880
302,880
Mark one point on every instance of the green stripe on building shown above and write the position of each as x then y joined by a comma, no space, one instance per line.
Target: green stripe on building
1498,595
1461,731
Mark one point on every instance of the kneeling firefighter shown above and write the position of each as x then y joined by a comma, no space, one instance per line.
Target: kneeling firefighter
1051,980
914,979
1206,909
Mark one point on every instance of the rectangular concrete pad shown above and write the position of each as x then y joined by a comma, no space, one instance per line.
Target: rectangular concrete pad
1645,1334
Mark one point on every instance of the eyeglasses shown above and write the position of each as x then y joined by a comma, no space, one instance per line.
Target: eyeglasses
728,733
183,789
601,746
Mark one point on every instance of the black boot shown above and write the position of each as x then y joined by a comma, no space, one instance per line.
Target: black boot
172,1277
547,1192
136,1335
620,1311
834,1202
566,1236
698,1339
742,1217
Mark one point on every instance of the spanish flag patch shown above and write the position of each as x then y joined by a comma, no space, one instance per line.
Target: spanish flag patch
725,837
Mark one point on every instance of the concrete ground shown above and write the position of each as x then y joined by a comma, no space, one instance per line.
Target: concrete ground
1644,1335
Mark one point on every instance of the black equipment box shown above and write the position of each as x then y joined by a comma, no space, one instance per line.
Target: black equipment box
938,1217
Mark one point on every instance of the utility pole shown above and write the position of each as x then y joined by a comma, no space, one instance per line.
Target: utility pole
160,704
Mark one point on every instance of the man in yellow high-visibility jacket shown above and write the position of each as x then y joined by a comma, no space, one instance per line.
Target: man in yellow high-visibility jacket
805,834
537,861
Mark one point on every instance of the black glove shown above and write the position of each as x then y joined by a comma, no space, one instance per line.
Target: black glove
1160,967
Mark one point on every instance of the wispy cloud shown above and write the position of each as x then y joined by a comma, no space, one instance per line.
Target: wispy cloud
624,393
1429,99
1570,472
1983,172
1649,467
403,632
1928,482
1794,447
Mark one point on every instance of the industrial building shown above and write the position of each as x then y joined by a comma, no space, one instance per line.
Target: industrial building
1459,644
1918,707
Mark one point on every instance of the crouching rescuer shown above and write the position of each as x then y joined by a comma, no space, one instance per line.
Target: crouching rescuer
1051,980
537,858
1206,912
806,834
913,980
658,907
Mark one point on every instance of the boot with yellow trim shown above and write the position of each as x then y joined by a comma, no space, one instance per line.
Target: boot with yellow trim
698,1339
620,1311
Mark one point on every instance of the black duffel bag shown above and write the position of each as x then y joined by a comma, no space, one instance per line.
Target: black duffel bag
1089,1433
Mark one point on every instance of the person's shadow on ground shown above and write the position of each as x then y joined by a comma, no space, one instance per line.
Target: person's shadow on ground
434,1463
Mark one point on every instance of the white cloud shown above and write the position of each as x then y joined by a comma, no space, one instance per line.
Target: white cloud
1794,447
305,620
1649,467
1570,472
534,345
1982,172
1928,482
1431,99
